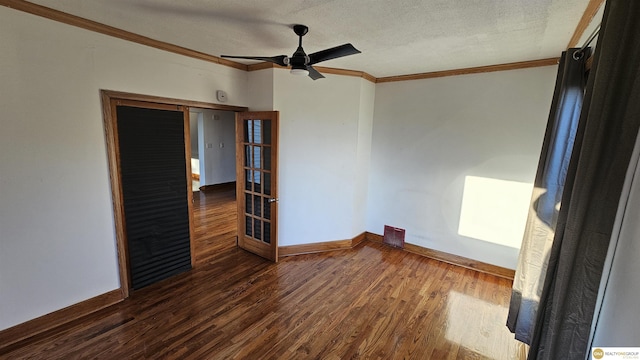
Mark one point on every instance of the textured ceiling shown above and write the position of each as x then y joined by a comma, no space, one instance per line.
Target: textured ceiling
396,37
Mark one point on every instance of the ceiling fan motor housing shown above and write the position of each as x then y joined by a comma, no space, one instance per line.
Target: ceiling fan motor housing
299,59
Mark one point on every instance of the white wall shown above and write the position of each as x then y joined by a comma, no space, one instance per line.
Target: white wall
617,320
261,90
57,244
324,127
430,135
218,151
193,130
363,156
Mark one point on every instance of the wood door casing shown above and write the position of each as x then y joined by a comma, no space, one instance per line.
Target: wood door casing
257,185
110,99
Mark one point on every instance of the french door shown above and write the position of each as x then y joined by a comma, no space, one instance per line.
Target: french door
256,167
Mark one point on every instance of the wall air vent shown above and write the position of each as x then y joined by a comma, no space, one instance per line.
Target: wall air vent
393,236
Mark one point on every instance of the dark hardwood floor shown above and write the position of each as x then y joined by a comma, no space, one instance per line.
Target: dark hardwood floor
214,215
371,302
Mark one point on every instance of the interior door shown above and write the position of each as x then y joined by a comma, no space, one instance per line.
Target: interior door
257,195
153,148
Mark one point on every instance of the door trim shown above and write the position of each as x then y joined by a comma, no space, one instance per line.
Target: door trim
111,99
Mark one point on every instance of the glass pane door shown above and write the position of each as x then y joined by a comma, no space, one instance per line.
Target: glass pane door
257,201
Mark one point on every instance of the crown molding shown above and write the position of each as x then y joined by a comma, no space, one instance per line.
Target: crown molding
104,29
587,17
472,70
322,69
91,25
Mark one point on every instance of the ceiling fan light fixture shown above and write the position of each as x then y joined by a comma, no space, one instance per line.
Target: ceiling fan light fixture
300,62
303,72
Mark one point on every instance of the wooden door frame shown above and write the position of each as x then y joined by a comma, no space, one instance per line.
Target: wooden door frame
111,99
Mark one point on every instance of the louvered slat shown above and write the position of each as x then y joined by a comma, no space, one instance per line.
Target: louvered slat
154,187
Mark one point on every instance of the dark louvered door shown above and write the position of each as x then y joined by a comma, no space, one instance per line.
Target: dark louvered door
155,192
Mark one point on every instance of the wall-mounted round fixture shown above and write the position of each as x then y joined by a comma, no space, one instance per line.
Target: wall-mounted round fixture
221,96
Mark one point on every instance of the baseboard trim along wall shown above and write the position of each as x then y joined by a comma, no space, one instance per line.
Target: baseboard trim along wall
452,259
57,318
223,186
461,261
292,250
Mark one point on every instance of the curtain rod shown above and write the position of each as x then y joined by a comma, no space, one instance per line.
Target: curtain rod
578,54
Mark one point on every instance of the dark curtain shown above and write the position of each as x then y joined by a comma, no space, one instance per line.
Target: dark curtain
547,193
604,142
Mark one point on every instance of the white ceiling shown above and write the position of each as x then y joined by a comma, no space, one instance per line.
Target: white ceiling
396,37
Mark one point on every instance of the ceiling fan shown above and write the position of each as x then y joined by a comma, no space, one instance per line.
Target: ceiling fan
300,62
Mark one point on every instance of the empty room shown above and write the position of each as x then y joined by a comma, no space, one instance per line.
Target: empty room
318,179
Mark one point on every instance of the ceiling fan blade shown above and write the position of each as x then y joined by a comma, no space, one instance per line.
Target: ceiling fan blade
313,73
281,60
335,52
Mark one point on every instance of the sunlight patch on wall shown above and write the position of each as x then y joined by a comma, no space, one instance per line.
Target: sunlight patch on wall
494,210
478,326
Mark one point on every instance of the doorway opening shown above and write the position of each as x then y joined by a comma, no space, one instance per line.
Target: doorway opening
213,152
213,168
111,101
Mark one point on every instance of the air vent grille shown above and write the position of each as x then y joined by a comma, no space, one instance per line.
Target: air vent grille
393,236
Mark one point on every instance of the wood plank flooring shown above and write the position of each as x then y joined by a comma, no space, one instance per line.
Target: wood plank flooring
215,221
371,302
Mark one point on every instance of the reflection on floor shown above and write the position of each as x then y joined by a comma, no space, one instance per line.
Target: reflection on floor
215,220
